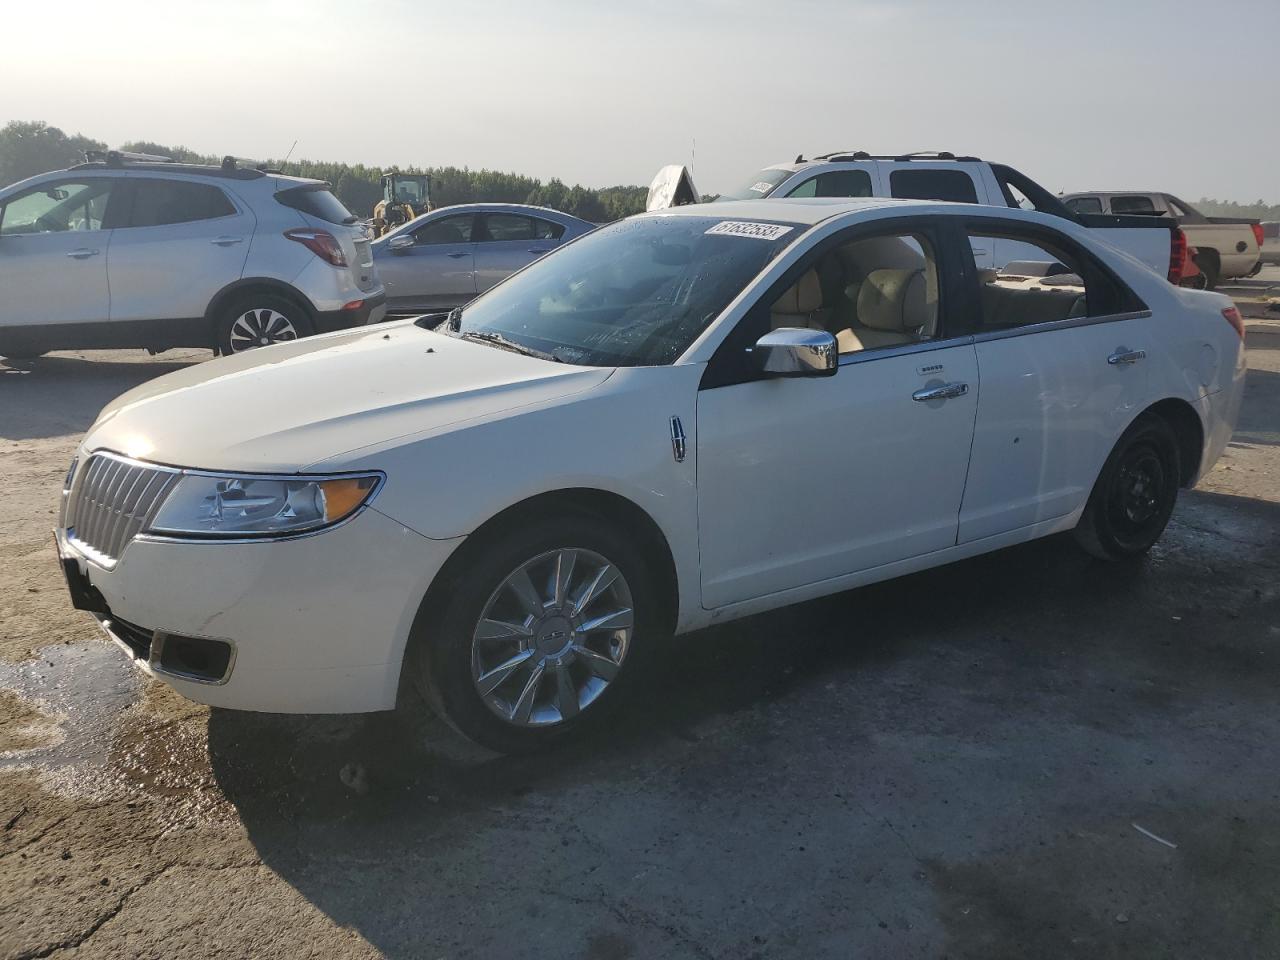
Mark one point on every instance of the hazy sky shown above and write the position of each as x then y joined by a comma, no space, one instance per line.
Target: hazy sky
1160,94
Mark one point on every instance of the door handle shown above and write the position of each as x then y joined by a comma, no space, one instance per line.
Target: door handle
226,241
1126,356
457,256
82,253
948,391
536,250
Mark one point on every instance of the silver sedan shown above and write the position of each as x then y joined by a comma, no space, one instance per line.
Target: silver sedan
447,257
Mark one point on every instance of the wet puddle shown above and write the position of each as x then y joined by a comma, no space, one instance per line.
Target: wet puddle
83,719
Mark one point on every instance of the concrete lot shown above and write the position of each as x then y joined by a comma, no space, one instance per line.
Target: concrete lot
953,764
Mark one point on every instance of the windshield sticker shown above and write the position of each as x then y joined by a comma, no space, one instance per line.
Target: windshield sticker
762,186
743,228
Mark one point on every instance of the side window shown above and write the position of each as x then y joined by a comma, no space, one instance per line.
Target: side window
836,183
160,202
1085,205
57,208
445,230
505,226
1134,205
1050,280
954,185
546,230
869,293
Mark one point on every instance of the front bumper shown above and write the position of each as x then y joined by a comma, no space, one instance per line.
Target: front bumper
372,309
315,624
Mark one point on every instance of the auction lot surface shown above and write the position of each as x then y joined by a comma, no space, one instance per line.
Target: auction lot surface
952,764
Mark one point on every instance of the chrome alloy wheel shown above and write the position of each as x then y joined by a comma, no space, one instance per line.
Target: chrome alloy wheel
552,637
260,328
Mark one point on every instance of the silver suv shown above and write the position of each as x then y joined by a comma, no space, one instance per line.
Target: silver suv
135,251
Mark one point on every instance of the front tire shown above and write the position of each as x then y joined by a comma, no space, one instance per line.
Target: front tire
539,633
259,320
1135,492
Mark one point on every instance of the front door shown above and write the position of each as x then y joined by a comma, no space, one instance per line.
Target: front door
1061,348
437,271
804,480
53,253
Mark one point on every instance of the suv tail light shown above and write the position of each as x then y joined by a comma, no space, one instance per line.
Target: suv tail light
1258,234
322,243
1232,316
1177,253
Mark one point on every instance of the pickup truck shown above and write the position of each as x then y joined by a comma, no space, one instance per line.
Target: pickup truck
936,176
1226,247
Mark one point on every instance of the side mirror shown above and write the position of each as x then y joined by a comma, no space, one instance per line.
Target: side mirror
797,352
401,243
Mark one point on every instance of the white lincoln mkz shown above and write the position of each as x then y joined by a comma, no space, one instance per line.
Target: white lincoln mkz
680,418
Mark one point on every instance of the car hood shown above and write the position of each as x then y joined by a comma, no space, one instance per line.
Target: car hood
283,408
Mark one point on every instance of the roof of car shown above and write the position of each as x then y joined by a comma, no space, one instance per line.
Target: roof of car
806,210
499,207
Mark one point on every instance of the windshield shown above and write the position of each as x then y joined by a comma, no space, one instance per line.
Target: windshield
634,293
759,185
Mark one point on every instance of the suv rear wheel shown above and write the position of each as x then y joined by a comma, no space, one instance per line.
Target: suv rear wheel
259,320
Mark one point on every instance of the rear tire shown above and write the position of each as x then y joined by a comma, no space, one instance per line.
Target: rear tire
570,676
1210,266
258,320
1134,494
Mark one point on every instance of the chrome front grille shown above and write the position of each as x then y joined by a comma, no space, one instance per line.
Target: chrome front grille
112,498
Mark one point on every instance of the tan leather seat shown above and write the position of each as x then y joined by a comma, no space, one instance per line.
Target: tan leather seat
800,305
893,307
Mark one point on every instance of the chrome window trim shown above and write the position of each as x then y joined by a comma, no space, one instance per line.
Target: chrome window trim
903,349
1068,324
924,346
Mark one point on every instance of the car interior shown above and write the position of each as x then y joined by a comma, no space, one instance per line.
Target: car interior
883,292
878,292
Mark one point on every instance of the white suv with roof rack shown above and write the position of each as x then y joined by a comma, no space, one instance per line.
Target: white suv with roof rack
930,175
131,250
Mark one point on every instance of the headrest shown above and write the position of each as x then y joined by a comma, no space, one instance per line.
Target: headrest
893,300
803,297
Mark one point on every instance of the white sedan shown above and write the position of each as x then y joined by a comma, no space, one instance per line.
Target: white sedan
679,419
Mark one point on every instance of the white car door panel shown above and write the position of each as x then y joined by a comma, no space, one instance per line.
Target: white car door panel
802,480
1051,406
53,254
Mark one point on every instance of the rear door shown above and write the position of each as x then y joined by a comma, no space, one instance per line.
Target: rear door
437,270
53,252
179,244
505,243
1061,348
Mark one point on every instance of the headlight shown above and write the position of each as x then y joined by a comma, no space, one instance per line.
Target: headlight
250,506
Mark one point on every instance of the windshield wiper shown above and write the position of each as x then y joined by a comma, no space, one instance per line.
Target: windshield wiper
498,340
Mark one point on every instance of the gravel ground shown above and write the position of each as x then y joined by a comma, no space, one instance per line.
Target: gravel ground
1024,755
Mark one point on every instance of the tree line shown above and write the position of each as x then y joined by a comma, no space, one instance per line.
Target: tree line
31,147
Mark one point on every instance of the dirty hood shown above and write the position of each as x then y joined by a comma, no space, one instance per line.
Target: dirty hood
283,408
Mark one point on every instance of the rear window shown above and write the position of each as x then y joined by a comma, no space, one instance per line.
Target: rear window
952,185
160,202
1134,204
1084,205
316,202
